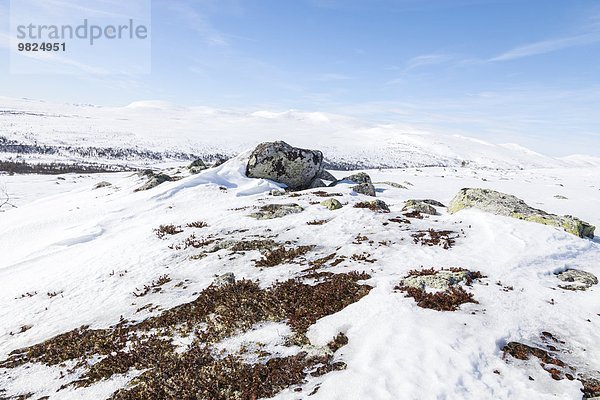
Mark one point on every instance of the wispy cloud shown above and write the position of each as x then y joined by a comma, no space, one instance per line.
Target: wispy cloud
426,59
199,23
548,46
332,77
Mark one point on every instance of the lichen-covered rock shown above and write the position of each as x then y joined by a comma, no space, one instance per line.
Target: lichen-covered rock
441,280
365,188
271,211
154,181
332,204
360,177
577,279
197,166
422,206
374,205
278,161
508,205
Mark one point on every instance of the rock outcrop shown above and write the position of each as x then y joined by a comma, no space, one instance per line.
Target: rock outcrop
296,168
197,166
577,280
508,205
271,211
154,181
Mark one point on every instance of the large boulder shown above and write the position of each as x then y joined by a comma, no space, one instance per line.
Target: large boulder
508,205
296,168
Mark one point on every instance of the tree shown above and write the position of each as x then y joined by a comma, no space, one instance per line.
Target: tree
5,199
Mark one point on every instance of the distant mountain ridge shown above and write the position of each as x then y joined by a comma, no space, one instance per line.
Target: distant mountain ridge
153,132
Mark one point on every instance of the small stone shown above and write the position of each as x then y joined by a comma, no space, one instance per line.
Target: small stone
441,280
225,279
102,184
365,188
332,204
271,211
422,206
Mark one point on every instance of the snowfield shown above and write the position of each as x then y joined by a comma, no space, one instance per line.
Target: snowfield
80,132
72,255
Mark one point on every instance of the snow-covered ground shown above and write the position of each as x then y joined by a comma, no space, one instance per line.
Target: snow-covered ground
72,255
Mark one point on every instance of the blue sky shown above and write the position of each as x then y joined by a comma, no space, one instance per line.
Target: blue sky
506,71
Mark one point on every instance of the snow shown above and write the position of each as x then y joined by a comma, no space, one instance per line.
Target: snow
95,247
160,126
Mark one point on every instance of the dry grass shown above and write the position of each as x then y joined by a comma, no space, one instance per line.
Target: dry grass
153,287
167,230
317,222
194,373
197,224
448,300
431,237
281,255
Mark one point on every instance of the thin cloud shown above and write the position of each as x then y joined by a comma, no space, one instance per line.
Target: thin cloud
548,46
332,77
201,24
426,59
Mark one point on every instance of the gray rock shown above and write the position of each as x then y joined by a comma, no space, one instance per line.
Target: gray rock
360,177
102,184
505,204
441,280
278,161
332,204
577,279
373,205
365,188
271,211
276,192
561,197
326,176
392,184
422,206
154,181
225,279
197,166
317,183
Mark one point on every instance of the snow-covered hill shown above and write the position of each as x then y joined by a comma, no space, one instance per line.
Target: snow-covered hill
145,133
76,256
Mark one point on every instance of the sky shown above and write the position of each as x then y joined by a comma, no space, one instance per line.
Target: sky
525,72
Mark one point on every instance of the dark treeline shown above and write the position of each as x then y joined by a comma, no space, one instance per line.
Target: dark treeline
55,168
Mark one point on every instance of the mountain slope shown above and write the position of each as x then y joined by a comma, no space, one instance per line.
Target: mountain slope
145,133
